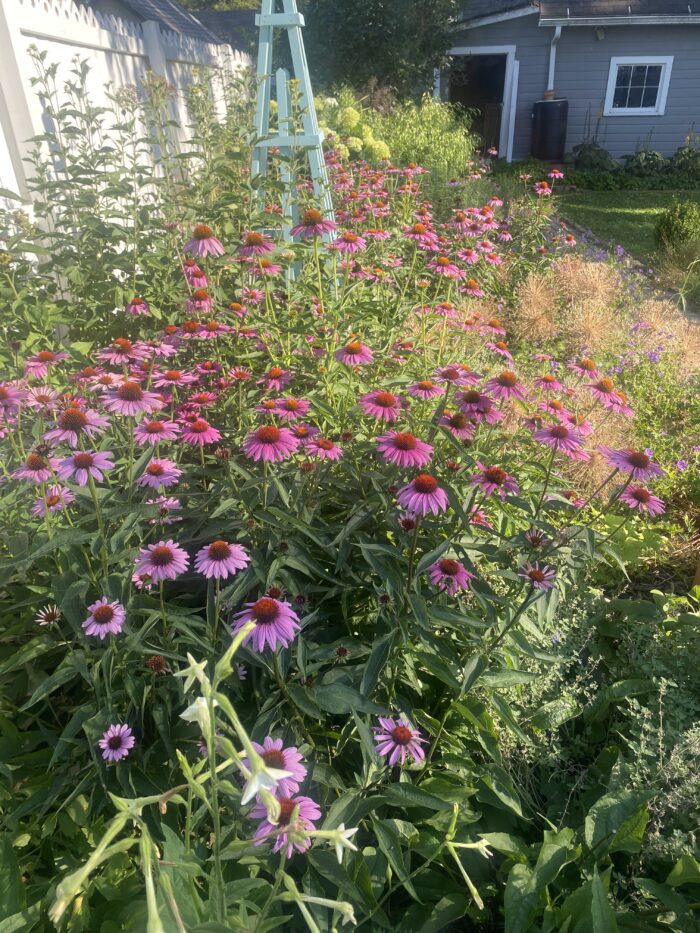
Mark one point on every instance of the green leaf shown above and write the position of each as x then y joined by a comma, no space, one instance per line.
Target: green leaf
616,822
375,663
602,915
60,677
497,789
438,668
339,698
685,871
390,844
407,795
11,888
519,901
555,713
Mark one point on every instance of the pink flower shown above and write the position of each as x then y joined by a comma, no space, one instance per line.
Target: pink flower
117,742
37,468
122,351
194,275
423,495
457,374
255,244
478,406
638,464
398,738
472,287
162,561
539,575
604,391
494,479
459,425
443,265
173,377
275,623
348,242
275,755
312,224
219,560
500,348
425,389
449,575
637,497
323,448
56,499
548,383
290,408
11,398
166,505
155,431
382,405
585,367
159,473
354,354
404,449
37,366
138,306
561,438
106,618
493,259
270,443
275,379
203,243
130,399
469,255
288,836
199,432
83,464
74,422
506,385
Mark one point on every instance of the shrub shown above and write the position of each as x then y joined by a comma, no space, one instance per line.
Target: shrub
592,157
679,225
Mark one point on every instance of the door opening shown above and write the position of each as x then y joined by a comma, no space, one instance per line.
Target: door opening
477,82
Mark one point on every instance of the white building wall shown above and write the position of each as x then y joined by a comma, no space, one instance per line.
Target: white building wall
119,52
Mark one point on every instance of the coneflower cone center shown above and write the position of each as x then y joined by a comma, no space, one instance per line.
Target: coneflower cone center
273,758
114,742
161,556
425,483
385,400
405,441
130,392
83,461
264,611
638,460
495,475
268,434
219,550
507,379
73,419
103,615
402,735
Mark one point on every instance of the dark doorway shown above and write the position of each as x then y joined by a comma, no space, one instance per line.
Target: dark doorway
477,83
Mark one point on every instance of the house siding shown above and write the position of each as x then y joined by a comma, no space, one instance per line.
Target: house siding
582,67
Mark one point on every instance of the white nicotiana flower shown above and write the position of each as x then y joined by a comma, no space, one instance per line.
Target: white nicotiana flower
342,841
263,778
196,670
199,712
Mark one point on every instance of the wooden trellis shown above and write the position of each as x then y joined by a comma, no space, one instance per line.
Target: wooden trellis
285,138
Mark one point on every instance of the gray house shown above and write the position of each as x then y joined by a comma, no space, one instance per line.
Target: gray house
628,70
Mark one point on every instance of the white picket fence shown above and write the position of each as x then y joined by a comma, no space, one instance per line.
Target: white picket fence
119,52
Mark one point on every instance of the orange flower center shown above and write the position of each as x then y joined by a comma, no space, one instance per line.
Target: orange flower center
405,441
385,400
449,567
161,556
268,434
325,444
425,483
274,758
219,550
402,735
638,459
507,379
103,614
311,218
202,232
45,356
254,239
264,611
495,475
36,462
72,419
130,392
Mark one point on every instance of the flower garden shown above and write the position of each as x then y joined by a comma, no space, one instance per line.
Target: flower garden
346,580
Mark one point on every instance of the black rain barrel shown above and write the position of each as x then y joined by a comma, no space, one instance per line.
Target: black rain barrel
549,129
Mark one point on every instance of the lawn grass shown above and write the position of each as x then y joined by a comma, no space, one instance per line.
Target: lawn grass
624,217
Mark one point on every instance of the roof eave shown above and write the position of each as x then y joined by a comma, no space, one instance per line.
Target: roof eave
660,20
467,23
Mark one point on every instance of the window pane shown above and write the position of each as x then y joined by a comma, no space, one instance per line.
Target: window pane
639,73
653,76
635,97
624,74
620,98
649,97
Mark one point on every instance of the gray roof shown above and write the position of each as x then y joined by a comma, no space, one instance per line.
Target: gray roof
574,9
237,27
170,15
479,9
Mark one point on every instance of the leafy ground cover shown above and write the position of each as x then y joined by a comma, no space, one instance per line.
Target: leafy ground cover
625,217
314,591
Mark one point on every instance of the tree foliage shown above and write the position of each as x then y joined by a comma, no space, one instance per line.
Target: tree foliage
396,43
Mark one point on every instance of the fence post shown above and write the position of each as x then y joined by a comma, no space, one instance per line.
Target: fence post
15,113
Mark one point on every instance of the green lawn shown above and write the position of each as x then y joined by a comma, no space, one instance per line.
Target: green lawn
624,217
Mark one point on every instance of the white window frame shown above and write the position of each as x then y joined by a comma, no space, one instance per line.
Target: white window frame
666,62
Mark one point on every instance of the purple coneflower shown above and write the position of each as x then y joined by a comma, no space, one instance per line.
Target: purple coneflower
499,347
548,383
83,464
637,497
494,479
38,365
106,618
122,352
137,306
194,275
425,389
449,575
563,439
605,392
382,405
56,499
312,224
203,243
472,287
443,265
457,374
162,561
73,422
275,755
539,575
635,462
459,425
506,385
275,379
323,448
354,353
270,443
423,495
220,560
159,473
404,449
117,742
37,468
287,837
165,505
11,398
398,738
290,408
173,377
255,244
275,622
48,614
348,242
154,431
585,367
130,399
199,432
